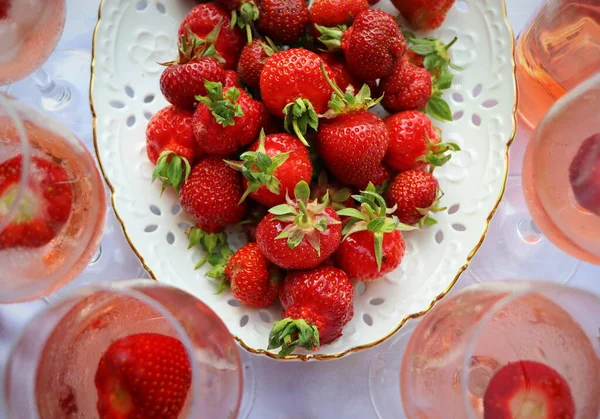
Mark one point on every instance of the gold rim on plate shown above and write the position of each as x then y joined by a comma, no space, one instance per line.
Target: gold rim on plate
320,357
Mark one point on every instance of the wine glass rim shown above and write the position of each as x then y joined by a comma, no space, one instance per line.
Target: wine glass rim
127,288
7,103
515,290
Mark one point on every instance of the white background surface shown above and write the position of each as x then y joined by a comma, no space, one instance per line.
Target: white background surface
283,390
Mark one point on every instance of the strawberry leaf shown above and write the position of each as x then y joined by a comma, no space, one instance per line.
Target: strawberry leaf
352,212
299,116
172,170
439,109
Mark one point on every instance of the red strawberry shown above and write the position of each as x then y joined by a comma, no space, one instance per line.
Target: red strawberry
142,376
226,121
254,280
424,14
244,12
272,167
584,174
372,45
373,245
4,7
317,304
380,178
231,79
44,208
342,75
170,145
283,21
212,194
336,12
184,79
292,86
528,389
414,193
407,88
212,24
252,61
415,59
353,143
414,142
300,234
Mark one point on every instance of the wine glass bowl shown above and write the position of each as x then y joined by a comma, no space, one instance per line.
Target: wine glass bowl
52,204
30,30
55,363
458,348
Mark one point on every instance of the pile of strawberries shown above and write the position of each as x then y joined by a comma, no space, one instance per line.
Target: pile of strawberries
270,129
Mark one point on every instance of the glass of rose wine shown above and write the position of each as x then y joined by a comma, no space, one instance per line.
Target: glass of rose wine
131,349
558,50
30,31
52,204
508,349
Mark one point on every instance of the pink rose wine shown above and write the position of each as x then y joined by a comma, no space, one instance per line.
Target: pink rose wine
464,341
561,173
560,49
29,30
52,371
35,269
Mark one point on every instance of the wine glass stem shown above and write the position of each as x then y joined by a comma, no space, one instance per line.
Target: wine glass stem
55,95
529,231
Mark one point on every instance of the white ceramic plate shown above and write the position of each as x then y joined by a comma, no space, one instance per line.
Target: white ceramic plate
132,36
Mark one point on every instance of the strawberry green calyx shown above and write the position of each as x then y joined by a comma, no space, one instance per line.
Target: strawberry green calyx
299,115
289,333
224,106
427,220
373,216
259,169
192,47
345,102
437,61
306,218
216,252
331,37
338,197
172,170
437,155
247,13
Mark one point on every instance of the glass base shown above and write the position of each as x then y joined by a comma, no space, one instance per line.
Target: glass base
249,389
515,248
68,102
384,378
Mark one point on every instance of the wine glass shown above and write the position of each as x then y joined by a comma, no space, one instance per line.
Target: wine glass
505,347
550,219
106,347
52,204
30,31
558,50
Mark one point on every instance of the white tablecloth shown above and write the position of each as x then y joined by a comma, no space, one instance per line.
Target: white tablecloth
283,390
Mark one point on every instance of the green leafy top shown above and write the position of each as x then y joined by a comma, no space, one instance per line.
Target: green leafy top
289,333
172,170
307,219
437,154
345,102
259,169
331,37
216,252
426,219
247,13
192,47
299,115
373,216
337,197
224,106
438,62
